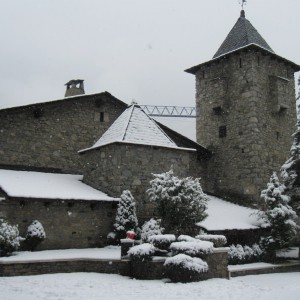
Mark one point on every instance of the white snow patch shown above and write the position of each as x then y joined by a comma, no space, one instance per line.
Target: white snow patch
109,252
27,184
92,286
224,215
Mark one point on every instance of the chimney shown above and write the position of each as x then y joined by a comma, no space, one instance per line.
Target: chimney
74,87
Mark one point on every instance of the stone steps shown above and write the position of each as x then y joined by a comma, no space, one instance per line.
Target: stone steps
292,266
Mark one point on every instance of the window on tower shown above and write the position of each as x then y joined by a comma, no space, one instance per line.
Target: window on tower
222,131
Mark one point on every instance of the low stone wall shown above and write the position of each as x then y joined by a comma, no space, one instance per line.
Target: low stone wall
121,267
217,264
282,268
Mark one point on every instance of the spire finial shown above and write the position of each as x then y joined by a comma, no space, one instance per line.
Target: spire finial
243,3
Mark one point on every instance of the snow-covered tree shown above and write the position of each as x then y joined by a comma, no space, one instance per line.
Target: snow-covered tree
9,238
126,218
290,170
151,227
279,215
180,201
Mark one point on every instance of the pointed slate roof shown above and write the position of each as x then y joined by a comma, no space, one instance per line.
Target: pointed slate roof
134,126
242,34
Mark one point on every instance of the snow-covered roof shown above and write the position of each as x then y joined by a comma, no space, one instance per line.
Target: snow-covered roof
223,215
28,184
134,126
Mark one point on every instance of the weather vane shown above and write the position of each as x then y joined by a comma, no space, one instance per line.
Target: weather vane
242,3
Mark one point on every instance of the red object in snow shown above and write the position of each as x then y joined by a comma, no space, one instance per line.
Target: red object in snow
130,235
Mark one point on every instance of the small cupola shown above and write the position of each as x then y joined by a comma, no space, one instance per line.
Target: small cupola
74,87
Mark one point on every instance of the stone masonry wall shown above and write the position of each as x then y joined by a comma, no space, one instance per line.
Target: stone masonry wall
50,134
121,267
117,167
68,224
253,96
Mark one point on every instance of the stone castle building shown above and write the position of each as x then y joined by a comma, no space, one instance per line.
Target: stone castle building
245,102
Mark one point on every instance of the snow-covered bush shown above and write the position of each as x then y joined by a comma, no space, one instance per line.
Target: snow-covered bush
36,230
217,240
9,238
186,238
196,248
35,234
181,203
162,241
126,218
236,255
141,252
279,215
183,268
111,238
241,255
151,227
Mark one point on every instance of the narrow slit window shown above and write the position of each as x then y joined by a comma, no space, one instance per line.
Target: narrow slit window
222,131
101,116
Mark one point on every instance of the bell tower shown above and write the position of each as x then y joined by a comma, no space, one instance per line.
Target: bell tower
246,113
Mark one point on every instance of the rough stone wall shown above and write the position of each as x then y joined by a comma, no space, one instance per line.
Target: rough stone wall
68,224
121,267
253,96
117,167
154,269
50,134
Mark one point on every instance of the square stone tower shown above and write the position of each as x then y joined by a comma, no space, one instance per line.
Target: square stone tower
246,113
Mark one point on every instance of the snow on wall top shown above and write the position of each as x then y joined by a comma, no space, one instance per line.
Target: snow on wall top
40,185
136,127
223,215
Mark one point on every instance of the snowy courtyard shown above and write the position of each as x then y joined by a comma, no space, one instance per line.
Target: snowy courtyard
105,286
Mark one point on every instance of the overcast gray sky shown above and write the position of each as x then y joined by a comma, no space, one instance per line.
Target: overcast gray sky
134,49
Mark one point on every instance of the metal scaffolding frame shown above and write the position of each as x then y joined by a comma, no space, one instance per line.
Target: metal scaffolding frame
170,111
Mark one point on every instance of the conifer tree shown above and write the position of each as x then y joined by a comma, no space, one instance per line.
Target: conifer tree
279,215
290,171
126,218
181,203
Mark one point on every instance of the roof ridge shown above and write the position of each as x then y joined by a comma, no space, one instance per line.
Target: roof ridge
128,121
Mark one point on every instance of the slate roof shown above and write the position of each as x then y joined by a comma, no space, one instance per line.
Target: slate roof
242,34
134,126
242,37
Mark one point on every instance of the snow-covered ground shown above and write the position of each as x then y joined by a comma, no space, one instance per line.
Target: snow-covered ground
109,252
78,286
